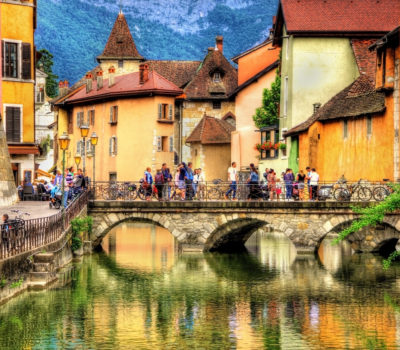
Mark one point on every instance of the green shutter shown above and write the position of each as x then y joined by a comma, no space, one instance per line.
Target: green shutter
159,111
110,146
170,112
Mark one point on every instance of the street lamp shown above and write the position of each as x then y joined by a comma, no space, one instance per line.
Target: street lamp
64,144
84,134
93,140
77,160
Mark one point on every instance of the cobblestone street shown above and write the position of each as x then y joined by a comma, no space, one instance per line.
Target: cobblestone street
36,209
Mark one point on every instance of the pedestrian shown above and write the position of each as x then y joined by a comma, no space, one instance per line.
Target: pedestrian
308,177
232,179
58,179
278,187
253,183
272,184
289,178
66,191
301,177
166,190
201,183
5,231
148,183
182,176
195,184
265,175
314,179
159,181
189,181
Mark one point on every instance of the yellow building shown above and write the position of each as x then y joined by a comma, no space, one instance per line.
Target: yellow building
18,23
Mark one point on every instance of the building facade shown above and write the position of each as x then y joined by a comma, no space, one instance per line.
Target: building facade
257,69
18,23
317,56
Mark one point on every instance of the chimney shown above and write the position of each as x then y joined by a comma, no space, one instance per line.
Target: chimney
219,40
143,73
99,75
62,88
316,107
89,82
111,76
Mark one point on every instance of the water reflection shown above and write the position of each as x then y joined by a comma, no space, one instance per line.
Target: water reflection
139,294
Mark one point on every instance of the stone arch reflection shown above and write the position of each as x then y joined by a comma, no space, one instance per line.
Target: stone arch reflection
141,246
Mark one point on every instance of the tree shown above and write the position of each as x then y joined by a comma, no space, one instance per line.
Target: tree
371,216
45,63
267,114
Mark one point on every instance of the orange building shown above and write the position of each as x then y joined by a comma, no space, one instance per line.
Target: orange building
256,72
132,114
354,134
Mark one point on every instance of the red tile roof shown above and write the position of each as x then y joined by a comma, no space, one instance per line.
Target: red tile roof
211,131
125,86
120,43
202,86
337,16
366,60
178,72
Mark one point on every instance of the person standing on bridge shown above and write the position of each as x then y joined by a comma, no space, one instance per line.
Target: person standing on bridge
148,183
232,178
314,179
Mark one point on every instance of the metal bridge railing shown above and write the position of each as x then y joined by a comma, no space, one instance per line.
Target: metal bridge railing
19,236
218,190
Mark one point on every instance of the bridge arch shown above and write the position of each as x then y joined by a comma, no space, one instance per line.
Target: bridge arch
105,223
381,238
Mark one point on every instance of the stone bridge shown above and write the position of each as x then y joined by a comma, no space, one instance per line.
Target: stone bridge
226,226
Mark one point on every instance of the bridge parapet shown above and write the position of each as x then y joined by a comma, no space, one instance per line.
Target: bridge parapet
227,225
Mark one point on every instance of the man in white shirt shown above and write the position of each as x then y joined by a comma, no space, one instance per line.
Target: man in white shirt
314,178
232,178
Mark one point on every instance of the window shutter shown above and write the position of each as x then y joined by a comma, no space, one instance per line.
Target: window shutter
26,61
115,145
111,114
82,148
88,118
110,146
3,59
13,124
170,112
70,123
159,111
116,114
171,143
78,147
159,144
78,119
92,114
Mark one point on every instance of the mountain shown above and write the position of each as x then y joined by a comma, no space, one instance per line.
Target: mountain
76,31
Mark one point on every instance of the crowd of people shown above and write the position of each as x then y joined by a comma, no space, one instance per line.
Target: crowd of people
187,183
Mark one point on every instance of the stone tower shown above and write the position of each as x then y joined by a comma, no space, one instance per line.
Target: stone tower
8,192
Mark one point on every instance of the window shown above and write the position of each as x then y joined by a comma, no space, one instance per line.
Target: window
216,104
165,112
163,144
39,95
13,124
80,147
369,126
114,115
271,138
10,63
120,64
345,129
91,117
16,60
79,119
70,123
113,146
112,177
217,77
285,96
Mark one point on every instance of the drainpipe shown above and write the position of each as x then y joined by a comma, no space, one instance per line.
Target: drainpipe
396,121
180,130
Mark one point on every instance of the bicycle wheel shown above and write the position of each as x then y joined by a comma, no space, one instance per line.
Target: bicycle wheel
141,193
341,194
380,193
364,194
214,194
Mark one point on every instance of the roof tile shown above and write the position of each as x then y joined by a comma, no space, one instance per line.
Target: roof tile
211,130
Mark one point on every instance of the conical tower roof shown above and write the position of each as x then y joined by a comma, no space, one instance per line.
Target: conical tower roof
120,44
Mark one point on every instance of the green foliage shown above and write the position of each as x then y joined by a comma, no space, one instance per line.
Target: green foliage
80,227
17,284
387,262
267,114
46,64
44,145
371,216
3,282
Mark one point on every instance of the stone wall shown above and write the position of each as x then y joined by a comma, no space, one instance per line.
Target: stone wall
8,192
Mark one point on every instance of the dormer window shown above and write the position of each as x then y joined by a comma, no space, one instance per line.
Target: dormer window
217,77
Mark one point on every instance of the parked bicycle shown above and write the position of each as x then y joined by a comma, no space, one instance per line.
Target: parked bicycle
125,191
381,192
355,191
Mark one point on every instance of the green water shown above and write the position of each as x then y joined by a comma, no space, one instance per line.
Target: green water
141,294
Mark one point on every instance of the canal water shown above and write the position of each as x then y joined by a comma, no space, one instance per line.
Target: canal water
139,293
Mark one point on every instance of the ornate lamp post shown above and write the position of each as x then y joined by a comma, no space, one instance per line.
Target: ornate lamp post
94,139
77,160
84,134
64,144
